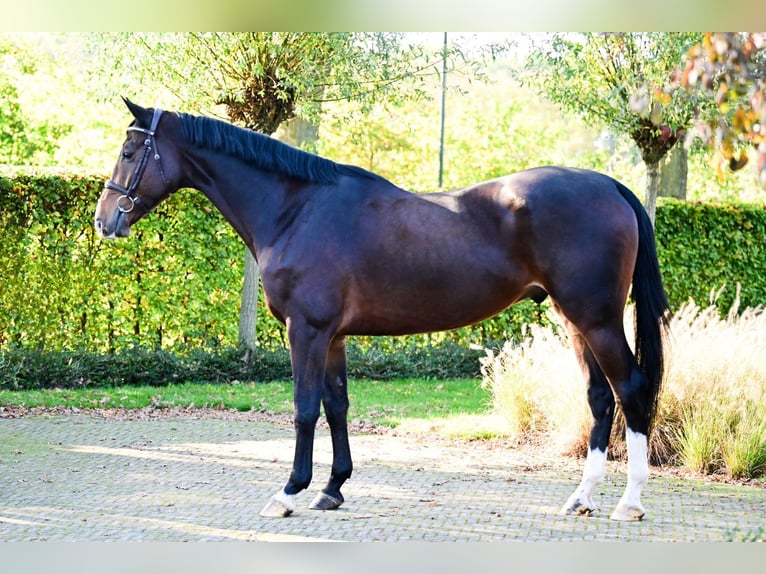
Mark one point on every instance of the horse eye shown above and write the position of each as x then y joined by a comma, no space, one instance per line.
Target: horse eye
127,154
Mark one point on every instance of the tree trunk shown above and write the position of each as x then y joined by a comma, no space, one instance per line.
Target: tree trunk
652,187
673,173
296,132
299,133
248,311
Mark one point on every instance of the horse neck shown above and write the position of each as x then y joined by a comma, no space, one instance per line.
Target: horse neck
250,199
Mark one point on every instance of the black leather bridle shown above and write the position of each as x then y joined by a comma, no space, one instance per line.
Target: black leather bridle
129,192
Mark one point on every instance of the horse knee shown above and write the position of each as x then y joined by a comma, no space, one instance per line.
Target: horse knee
305,423
336,412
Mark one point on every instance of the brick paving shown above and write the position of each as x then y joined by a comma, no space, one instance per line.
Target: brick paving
81,477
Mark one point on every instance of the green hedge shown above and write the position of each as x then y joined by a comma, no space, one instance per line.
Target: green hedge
173,288
34,369
175,284
704,247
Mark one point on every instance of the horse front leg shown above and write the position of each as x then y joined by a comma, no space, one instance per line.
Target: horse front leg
308,355
335,401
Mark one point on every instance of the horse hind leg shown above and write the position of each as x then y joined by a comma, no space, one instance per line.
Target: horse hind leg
631,387
637,415
629,507
601,403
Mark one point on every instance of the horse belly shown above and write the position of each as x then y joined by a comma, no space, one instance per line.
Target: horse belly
406,299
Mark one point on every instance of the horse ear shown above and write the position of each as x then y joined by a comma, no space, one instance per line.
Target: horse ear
143,115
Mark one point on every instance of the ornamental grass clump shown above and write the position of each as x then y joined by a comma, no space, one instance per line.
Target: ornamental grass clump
711,415
717,379
537,386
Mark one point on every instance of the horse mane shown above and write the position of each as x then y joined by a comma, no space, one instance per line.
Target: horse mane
265,152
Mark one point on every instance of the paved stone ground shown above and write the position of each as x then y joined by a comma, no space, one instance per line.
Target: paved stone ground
80,477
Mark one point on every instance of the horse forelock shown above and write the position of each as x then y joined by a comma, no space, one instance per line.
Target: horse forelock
263,151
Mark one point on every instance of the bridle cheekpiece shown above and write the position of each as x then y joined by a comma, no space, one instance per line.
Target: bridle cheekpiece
129,192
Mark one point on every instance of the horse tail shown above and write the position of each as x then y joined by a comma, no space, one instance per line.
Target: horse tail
650,301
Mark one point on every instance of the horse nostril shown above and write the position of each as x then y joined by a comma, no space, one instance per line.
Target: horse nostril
99,225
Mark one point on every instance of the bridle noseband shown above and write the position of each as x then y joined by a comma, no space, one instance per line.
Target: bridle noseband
150,143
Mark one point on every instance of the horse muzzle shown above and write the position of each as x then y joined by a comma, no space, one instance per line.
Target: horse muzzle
114,227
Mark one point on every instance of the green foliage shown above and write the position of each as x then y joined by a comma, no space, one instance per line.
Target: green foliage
616,79
24,369
24,139
63,288
261,79
376,359
175,285
37,369
704,247
619,80
498,129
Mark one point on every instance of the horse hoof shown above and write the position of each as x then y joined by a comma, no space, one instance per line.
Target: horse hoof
578,509
279,506
324,501
628,513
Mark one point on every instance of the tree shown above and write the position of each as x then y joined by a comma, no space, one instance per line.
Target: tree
620,80
673,173
492,128
24,140
732,67
261,80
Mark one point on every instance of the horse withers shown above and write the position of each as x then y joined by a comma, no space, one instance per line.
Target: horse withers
343,252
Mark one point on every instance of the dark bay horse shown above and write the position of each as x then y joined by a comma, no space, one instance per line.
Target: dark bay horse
344,252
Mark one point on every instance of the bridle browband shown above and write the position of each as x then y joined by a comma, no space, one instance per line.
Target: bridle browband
150,143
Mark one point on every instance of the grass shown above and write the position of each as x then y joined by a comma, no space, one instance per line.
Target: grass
712,407
391,402
717,374
744,451
270,397
697,438
747,535
538,387
384,402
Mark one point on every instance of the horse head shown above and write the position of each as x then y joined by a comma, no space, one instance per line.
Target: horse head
142,177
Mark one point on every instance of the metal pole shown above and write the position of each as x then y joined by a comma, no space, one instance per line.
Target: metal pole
444,93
